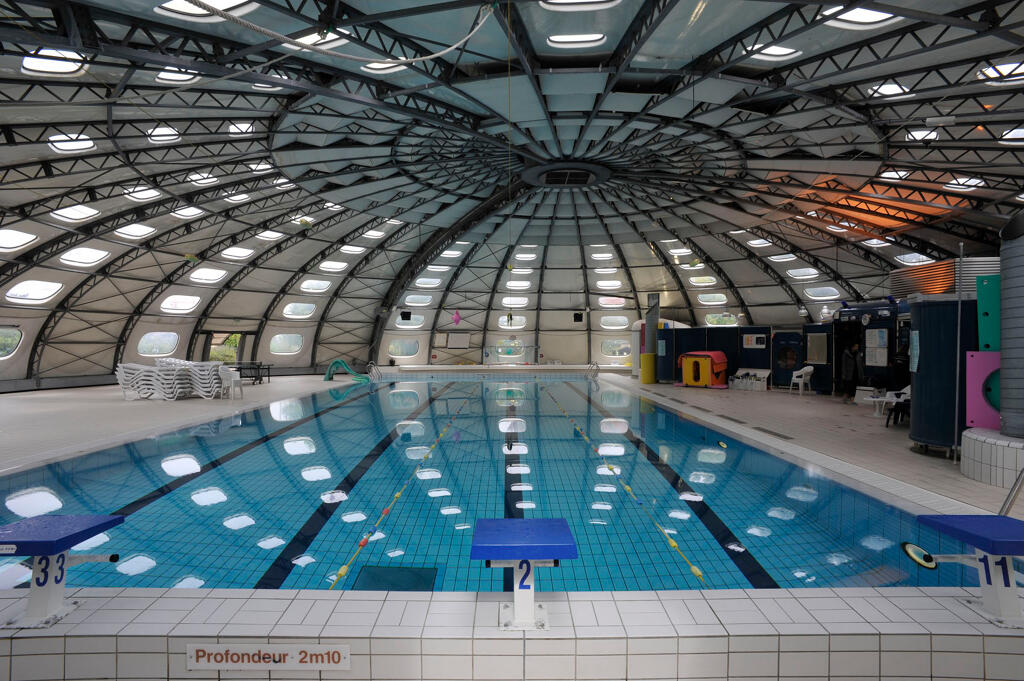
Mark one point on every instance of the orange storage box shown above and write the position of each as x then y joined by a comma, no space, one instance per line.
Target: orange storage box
705,368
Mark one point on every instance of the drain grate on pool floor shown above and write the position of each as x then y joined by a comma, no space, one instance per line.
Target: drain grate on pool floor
380,578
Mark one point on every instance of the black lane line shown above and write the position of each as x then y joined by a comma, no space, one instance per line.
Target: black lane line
163,490
282,566
745,561
511,497
772,433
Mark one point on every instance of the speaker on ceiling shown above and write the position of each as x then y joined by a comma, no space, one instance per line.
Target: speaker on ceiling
406,315
577,317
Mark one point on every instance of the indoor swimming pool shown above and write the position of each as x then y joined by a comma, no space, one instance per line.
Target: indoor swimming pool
280,497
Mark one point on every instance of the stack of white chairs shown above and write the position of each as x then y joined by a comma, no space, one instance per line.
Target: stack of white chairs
205,379
230,380
133,380
170,379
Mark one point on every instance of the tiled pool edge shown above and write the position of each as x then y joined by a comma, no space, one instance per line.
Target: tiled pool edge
857,633
905,496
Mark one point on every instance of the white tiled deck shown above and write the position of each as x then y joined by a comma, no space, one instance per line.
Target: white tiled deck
854,633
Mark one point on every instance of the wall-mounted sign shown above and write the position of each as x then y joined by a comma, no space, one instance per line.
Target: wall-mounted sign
263,657
755,341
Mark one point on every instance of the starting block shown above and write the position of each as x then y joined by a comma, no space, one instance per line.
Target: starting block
523,545
48,538
996,539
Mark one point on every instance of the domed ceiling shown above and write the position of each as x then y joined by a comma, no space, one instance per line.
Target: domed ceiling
169,168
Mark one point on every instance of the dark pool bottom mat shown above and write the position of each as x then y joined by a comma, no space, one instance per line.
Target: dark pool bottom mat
378,578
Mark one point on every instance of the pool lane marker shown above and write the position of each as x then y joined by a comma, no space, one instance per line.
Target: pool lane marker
512,497
744,560
386,511
694,570
163,490
282,566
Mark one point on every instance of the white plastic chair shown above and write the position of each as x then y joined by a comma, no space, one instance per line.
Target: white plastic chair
800,378
229,380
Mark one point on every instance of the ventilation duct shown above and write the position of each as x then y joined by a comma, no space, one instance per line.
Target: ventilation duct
1011,369
941,277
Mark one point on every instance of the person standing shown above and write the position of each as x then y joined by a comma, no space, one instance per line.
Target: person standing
852,371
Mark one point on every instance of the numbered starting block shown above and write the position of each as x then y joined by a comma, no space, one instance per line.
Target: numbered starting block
48,538
996,539
523,545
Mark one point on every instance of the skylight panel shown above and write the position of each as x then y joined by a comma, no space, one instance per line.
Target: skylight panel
373,234
141,192
53,63
382,68
191,11
600,256
270,235
772,52
526,257
576,40
207,275
611,302
511,322
822,293
451,254
333,206
1013,137
172,74
578,5
283,183
314,285
894,175
759,243
163,134
517,285
12,240
782,257
875,243
692,266
241,129
188,212
266,87
519,271
393,221
703,281
135,231
83,256
300,219
515,301
414,321
427,282
606,270
802,273
260,167
614,323
418,300
77,213
913,259
679,251
964,184
299,310
237,253
33,291
858,19
353,250
314,39
236,198
73,143
333,266
201,179
712,299
1002,74
438,268
609,284
179,304
890,91
923,135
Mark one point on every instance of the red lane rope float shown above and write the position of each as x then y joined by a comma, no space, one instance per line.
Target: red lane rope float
365,539
696,571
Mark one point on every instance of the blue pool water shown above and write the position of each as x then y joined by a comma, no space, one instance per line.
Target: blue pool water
280,497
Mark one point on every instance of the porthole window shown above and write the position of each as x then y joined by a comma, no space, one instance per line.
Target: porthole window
70,143
513,323
299,310
190,11
721,319
314,285
515,301
912,259
201,179
858,19
526,257
576,40
876,243
803,273
141,193
285,343
418,300
614,322
236,198
163,134
237,253
260,167
10,339
400,348
333,266
703,281
615,348
712,299
188,212
373,234
451,254
353,250
171,74
822,293
679,251
611,302
759,243
53,63
964,184
207,275
157,343
135,231
692,266
772,52
517,285
238,129
179,304
922,135
601,256
382,68
33,292
1002,74
83,257
427,282
76,213
314,39
783,257
12,240
269,235
415,321
609,284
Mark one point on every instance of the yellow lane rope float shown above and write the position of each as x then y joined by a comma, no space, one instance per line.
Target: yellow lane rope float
365,539
696,571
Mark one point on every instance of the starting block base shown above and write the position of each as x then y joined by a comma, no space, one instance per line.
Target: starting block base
978,606
507,618
25,621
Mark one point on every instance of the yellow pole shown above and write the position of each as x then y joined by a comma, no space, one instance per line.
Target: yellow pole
647,368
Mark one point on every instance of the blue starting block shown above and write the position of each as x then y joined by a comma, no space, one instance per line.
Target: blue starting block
48,538
996,539
523,544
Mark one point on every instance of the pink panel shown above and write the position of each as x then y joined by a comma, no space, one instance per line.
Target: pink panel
980,414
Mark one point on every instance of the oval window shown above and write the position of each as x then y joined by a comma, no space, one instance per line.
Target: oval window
616,322
10,339
427,282
12,239
298,310
822,293
711,299
703,281
179,304
512,322
32,291
615,348
315,285
414,321
207,275
418,300
611,302
286,344
403,347
515,301
157,343
721,319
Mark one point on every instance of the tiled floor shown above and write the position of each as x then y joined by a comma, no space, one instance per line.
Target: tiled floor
46,425
824,424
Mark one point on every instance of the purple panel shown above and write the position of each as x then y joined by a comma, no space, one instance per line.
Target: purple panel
980,414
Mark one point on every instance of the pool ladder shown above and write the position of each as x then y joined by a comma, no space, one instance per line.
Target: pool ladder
373,371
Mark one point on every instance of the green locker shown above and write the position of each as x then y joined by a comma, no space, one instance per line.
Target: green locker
988,312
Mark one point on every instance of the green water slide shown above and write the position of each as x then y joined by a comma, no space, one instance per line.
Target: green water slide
341,364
